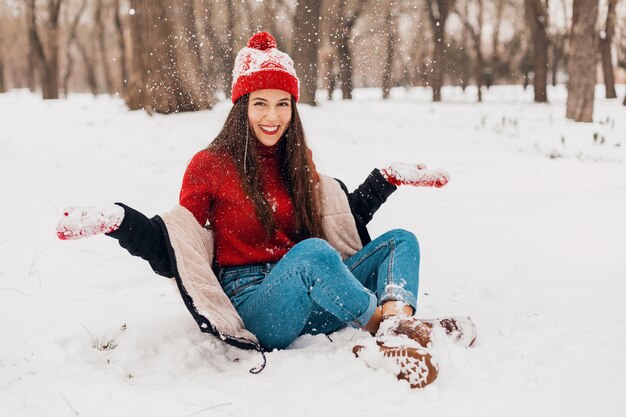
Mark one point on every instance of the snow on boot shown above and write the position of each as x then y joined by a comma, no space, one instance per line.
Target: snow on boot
79,222
412,364
405,326
461,330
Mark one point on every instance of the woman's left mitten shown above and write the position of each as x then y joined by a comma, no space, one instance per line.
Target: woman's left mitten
415,175
80,222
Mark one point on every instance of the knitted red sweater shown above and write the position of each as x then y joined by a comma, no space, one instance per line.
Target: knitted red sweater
212,191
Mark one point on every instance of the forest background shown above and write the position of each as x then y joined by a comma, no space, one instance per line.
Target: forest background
177,55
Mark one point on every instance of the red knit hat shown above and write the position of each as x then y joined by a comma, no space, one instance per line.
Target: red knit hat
261,66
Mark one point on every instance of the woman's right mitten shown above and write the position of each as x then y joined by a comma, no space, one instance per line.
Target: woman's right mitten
80,222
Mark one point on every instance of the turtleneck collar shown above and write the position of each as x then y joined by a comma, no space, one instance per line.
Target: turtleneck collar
266,151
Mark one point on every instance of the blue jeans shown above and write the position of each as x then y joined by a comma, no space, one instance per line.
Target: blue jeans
311,290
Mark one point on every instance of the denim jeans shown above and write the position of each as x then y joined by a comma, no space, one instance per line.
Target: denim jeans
311,290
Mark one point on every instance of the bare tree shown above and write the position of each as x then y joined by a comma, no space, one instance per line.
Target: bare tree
215,51
500,7
87,52
620,47
582,62
537,19
231,53
3,87
193,65
163,77
605,41
71,39
557,46
438,11
328,52
475,31
102,50
464,67
85,49
47,64
391,37
306,41
120,30
342,37
36,54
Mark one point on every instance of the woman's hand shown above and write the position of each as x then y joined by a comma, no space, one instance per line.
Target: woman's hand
414,174
80,222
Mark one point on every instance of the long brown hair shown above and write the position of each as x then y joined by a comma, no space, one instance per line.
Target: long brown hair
297,170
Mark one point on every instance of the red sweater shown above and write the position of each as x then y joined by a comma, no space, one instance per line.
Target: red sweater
212,191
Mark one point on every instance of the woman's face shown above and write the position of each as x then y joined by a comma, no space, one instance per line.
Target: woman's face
269,114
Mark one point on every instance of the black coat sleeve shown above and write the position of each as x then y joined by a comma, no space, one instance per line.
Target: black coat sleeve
145,238
367,199
369,196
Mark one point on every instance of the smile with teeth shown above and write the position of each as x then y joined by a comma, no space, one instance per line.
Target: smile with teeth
269,130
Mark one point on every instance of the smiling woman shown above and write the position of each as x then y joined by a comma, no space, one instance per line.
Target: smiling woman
286,251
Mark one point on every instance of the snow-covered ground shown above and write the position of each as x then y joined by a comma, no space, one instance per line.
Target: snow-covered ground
529,239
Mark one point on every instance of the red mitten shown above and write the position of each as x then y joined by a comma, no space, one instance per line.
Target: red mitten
79,222
415,174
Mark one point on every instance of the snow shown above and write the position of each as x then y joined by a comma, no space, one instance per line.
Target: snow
527,239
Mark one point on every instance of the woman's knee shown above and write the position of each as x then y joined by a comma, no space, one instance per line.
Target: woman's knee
316,250
404,236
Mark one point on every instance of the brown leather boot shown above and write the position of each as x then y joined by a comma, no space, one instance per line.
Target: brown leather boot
460,330
414,365
407,326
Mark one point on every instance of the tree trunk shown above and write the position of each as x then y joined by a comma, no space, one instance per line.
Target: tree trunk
345,66
51,67
90,67
32,69
475,32
537,19
480,63
306,40
141,80
557,55
162,78
391,36
71,39
344,57
465,61
102,49
119,30
436,80
582,62
479,70
230,47
558,45
194,76
438,22
36,55
495,41
3,87
605,43
215,52
332,84
343,37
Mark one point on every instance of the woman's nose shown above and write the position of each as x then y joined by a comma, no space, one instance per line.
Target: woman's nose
272,113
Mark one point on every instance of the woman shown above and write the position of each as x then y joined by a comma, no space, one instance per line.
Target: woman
263,248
